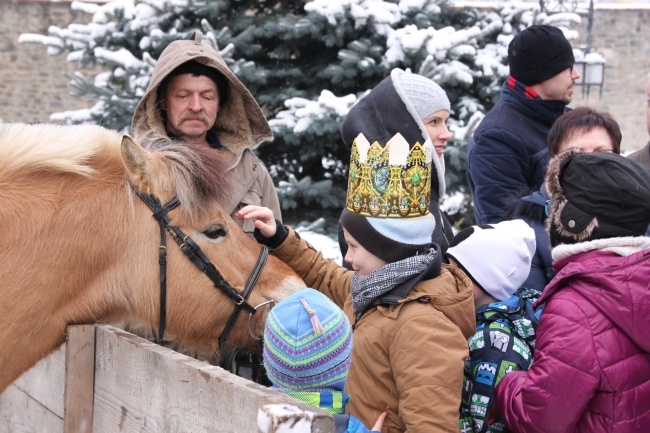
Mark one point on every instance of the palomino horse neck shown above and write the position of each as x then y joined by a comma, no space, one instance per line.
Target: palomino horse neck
80,247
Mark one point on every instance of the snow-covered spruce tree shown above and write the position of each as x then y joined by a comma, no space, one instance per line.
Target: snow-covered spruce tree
306,63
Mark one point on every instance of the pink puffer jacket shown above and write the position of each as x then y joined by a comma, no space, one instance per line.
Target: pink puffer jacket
591,368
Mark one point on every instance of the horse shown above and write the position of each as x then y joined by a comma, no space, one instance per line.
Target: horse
85,213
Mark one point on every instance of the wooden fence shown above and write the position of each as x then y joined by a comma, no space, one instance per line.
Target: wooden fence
106,380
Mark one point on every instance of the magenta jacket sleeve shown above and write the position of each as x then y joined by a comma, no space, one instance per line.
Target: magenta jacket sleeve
553,394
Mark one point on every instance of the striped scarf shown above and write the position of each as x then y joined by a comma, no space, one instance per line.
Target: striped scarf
366,289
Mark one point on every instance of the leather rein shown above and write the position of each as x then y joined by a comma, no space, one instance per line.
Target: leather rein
201,261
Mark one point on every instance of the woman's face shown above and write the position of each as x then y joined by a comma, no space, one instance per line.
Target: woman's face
594,140
436,125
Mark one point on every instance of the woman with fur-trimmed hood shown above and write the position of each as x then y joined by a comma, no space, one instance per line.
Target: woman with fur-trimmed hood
591,367
193,96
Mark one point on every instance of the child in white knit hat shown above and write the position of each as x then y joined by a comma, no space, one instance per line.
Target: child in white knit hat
497,258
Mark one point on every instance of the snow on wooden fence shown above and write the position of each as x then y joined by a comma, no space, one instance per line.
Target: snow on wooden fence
106,380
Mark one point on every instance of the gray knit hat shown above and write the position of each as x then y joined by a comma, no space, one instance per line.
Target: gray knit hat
425,96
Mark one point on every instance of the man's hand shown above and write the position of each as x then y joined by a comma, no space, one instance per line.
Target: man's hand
264,218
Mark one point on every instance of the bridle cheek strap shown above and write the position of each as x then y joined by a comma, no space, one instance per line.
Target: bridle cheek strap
160,214
248,288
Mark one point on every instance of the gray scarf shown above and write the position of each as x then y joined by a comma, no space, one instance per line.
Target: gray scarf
366,289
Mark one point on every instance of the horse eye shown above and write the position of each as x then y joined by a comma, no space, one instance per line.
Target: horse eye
214,232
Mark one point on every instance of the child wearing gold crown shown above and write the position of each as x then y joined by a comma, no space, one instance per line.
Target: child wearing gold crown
412,315
418,109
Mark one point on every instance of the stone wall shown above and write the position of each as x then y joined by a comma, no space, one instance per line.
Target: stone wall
623,36
33,85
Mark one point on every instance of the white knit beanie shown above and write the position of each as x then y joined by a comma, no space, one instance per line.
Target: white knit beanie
426,96
497,257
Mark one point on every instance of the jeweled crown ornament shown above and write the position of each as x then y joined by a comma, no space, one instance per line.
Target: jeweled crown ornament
391,181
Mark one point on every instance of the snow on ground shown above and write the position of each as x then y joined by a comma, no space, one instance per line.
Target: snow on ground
323,243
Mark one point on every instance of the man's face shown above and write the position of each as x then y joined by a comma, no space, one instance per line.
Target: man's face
558,87
192,104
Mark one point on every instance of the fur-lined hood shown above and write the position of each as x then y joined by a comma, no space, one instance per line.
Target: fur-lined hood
559,202
240,124
596,196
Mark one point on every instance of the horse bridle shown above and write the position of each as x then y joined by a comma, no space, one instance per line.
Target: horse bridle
201,261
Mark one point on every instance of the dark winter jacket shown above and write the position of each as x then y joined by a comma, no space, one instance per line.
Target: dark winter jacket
240,127
504,341
532,209
380,115
508,152
591,367
642,156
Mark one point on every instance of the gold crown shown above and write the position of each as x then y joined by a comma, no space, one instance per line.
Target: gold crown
392,181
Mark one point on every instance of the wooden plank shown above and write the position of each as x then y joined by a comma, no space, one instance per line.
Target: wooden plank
20,413
79,382
140,386
33,403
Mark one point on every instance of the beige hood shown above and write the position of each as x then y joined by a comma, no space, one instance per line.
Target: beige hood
240,124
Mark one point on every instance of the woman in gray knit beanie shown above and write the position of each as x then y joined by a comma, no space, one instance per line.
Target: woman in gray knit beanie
417,108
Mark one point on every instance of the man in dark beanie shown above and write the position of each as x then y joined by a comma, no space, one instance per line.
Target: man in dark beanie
508,154
590,368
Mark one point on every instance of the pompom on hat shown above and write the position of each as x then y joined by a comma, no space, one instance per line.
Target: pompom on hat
496,257
307,343
596,196
538,53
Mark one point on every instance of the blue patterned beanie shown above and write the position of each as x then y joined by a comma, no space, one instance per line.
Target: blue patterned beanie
307,343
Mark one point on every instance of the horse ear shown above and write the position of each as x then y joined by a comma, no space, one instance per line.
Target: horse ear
138,163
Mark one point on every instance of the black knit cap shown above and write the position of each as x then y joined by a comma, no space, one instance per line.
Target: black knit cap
596,196
538,53
390,239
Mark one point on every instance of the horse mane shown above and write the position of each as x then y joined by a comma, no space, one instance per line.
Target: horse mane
197,174
68,149
200,172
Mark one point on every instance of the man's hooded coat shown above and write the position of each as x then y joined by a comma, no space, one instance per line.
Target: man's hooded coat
240,126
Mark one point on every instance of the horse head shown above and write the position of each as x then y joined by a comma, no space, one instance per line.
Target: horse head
81,247
196,176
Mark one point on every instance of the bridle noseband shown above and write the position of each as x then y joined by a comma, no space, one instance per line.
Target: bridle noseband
201,261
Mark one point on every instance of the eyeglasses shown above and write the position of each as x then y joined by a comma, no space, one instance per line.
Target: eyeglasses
546,206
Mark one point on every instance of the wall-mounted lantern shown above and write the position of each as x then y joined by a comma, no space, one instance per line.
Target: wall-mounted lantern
592,71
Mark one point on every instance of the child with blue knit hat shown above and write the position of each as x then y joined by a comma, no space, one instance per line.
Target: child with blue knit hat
497,258
411,314
307,354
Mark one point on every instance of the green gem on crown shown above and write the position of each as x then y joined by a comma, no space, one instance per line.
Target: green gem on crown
416,178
